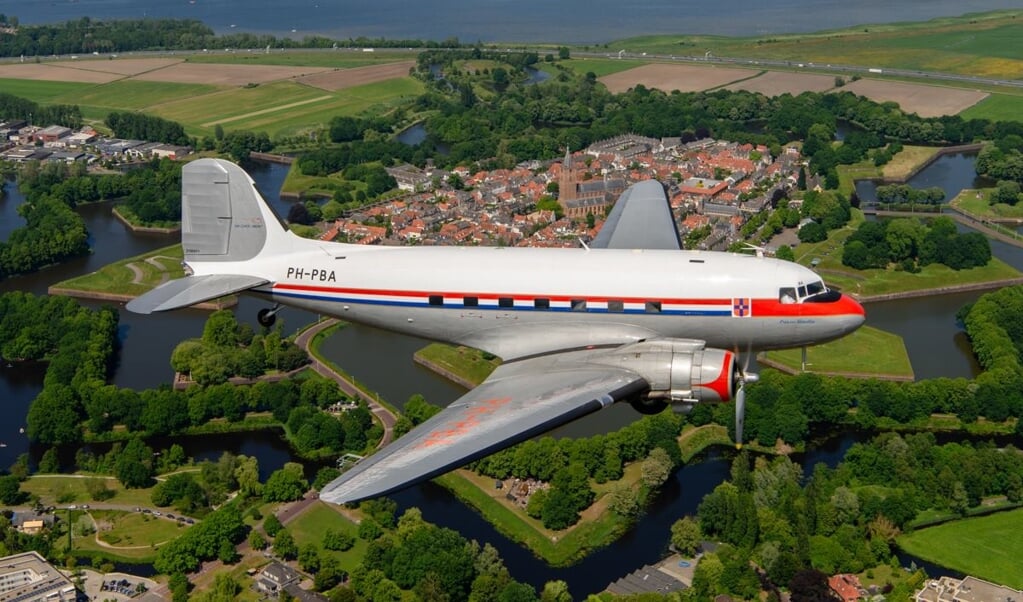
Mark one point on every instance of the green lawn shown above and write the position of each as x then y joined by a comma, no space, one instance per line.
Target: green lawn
997,107
132,95
117,278
988,547
311,524
41,91
72,489
867,351
601,67
468,364
135,529
978,203
867,283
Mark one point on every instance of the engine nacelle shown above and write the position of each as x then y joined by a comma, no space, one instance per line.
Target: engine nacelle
678,370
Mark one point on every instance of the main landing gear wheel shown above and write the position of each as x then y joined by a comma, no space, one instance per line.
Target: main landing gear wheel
648,407
267,316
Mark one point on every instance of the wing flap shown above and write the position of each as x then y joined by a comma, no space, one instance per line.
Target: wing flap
641,219
191,290
518,401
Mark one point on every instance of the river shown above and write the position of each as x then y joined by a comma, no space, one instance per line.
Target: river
383,362
566,22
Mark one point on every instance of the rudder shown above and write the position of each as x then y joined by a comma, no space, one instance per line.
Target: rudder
223,216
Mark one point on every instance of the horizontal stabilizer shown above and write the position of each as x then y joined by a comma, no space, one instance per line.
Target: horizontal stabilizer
191,290
641,219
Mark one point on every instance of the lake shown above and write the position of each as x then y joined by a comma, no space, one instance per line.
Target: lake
567,21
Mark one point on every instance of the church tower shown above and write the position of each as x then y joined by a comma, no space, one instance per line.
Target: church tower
568,183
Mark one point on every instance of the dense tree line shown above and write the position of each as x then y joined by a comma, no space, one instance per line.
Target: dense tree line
911,244
231,348
15,107
87,35
140,126
899,194
569,464
995,328
1003,160
203,541
79,345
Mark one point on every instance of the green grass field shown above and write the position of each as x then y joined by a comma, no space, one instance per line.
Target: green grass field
601,67
136,529
40,91
867,351
132,95
345,59
997,107
978,203
50,488
282,107
867,283
311,524
465,363
988,547
117,278
976,44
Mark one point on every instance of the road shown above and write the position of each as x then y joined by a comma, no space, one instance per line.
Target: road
386,417
831,68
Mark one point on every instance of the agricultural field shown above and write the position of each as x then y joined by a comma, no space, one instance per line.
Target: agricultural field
985,45
55,72
41,91
225,75
339,79
669,77
332,59
924,100
601,67
130,95
997,107
985,546
775,83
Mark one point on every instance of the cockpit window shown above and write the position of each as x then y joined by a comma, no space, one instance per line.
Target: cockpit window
787,294
815,288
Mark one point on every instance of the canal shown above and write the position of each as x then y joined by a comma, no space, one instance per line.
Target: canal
383,361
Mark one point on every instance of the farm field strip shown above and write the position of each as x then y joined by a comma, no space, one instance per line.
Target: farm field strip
270,110
774,83
925,100
669,77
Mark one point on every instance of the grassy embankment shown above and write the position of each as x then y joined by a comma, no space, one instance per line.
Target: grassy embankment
866,352
310,526
869,283
903,165
975,44
132,276
977,202
986,546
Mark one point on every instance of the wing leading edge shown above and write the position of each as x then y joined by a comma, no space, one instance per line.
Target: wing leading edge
191,290
518,401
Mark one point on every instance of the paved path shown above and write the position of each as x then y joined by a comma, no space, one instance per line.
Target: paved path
387,418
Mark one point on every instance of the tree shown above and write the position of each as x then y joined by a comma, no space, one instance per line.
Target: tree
256,540
286,484
50,462
686,536
656,468
134,465
338,541
10,491
284,545
272,525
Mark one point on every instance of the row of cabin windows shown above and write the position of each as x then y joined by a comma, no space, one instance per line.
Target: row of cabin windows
613,306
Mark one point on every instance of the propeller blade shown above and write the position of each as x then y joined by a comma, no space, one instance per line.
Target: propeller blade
740,414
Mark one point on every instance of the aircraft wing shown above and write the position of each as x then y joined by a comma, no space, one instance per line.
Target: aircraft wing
641,219
191,290
518,401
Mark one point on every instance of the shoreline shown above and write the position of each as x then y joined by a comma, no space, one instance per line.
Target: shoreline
780,367
929,292
145,229
124,298
448,374
938,153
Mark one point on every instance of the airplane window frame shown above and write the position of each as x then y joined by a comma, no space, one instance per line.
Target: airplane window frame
542,303
615,306
435,300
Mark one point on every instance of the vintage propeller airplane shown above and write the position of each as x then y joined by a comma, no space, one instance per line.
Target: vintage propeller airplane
629,318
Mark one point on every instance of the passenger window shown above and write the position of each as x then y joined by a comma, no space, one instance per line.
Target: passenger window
578,304
787,294
616,306
436,300
471,301
653,307
542,303
505,302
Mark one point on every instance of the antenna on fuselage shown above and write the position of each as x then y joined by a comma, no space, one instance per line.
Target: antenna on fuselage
583,243
759,250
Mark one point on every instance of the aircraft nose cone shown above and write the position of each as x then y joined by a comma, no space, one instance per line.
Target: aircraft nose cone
853,311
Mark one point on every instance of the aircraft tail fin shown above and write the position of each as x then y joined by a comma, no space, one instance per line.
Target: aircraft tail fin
223,216
223,219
